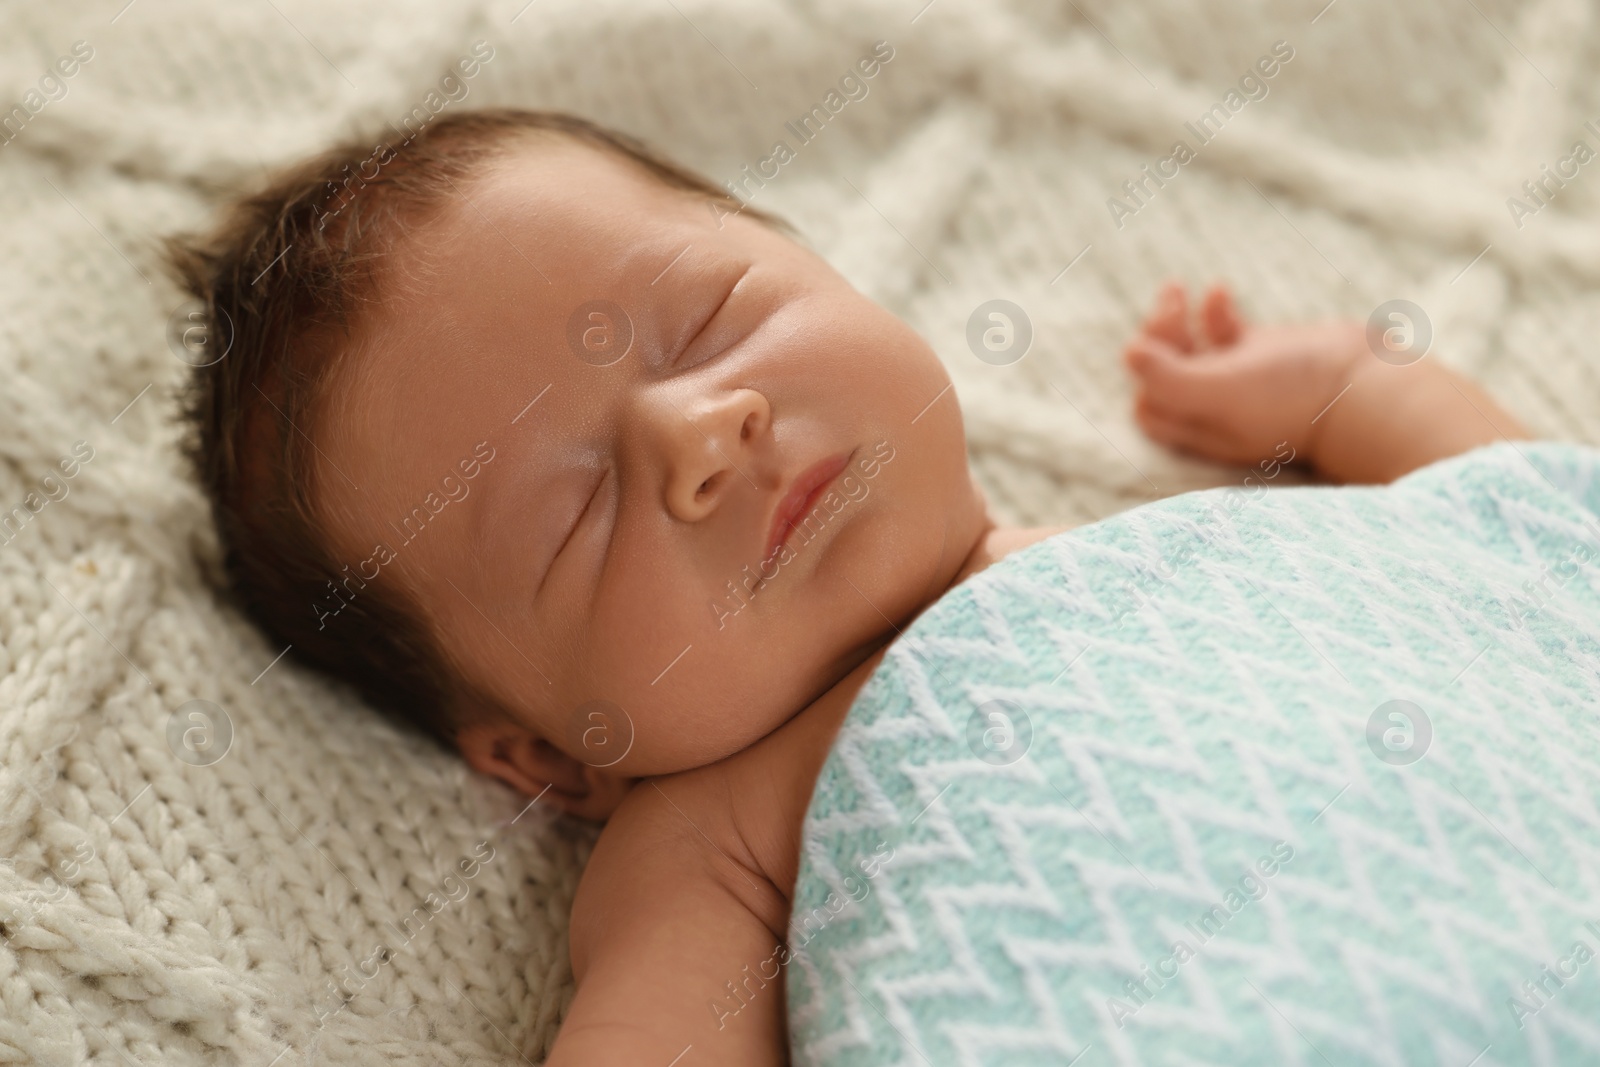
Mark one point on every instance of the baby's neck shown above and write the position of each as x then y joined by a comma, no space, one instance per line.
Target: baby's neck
783,766
992,543
995,542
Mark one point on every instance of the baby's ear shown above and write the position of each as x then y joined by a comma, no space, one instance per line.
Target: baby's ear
536,768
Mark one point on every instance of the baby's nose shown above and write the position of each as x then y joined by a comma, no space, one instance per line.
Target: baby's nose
707,449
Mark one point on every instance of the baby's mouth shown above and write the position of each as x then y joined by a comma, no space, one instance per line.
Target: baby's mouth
801,497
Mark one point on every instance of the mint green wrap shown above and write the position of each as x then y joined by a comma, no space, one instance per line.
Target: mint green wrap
1299,776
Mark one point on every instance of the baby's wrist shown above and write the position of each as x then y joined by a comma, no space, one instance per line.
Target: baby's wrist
1345,365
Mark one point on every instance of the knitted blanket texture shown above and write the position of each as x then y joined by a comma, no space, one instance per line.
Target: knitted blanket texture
212,855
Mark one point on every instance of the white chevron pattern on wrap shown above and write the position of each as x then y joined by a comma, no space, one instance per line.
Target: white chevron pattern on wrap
1224,723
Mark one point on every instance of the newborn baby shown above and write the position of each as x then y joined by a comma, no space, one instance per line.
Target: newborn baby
558,451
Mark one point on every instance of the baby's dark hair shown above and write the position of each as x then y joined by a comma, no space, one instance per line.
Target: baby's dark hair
275,284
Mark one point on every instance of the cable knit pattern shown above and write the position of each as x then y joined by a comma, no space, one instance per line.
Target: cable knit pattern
160,912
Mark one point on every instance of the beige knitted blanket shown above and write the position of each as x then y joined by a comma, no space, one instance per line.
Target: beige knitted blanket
212,882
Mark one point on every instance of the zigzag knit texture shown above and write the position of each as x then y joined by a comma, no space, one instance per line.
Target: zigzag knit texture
1239,777
172,912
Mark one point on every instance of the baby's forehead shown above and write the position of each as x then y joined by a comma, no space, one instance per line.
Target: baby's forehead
585,217
577,202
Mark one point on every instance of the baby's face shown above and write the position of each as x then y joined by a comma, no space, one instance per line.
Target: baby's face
609,549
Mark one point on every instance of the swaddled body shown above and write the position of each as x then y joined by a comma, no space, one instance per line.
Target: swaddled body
1242,778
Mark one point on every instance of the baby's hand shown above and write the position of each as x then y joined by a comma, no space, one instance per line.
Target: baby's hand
1214,385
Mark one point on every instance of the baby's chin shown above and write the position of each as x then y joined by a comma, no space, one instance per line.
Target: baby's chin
680,745
672,740
684,740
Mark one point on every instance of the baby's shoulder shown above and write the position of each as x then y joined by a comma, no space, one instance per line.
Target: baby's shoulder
679,833
768,786
734,824
682,891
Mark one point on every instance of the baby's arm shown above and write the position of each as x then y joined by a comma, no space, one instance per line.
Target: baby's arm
1214,385
665,919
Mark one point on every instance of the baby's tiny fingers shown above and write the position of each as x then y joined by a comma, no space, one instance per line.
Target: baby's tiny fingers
1180,382
1169,321
1151,358
1219,318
